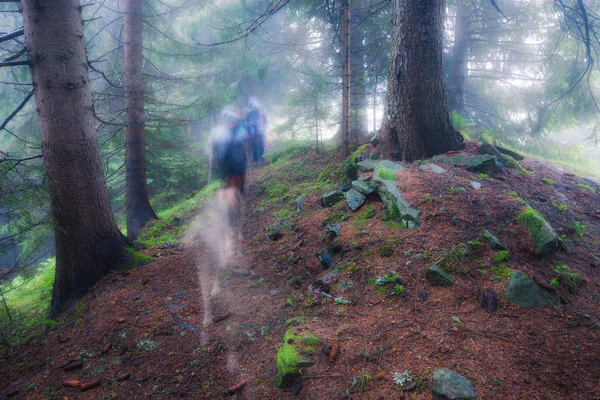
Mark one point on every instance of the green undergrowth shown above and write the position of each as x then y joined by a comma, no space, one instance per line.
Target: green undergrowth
134,259
173,222
28,303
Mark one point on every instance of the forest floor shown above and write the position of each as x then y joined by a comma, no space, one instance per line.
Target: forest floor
154,332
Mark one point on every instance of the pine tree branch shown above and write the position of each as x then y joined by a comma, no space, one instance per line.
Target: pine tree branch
13,63
12,35
16,110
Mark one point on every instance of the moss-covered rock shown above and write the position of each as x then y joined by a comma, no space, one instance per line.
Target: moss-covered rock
299,344
546,241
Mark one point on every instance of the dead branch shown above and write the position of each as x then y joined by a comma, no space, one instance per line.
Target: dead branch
16,110
13,63
12,35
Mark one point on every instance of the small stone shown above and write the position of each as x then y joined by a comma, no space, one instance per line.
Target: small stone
438,277
330,198
300,202
274,234
475,185
333,230
489,301
325,258
436,169
495,243
451,385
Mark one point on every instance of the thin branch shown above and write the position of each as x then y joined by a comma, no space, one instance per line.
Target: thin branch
13,63
12,35
16,110
16,55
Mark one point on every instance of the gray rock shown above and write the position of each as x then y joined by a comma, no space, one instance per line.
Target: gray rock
451,385
511,153
364,187
374,140
300,202
475,185
330,198
387,190
355,199
523,291
333,230
485,163
346,185
487,148
395,203
495,243
325,258
438,277
436,169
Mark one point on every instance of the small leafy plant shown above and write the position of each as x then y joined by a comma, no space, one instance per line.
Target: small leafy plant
579,228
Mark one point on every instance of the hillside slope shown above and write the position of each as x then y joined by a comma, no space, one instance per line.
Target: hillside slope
153,333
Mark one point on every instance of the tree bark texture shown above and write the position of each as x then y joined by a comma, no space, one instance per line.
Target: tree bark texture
345,79
88,241
137,204
358,93
458,69
417,122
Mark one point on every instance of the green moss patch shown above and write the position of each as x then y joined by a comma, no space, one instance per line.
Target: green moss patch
299,344
502,256
386,174
134,259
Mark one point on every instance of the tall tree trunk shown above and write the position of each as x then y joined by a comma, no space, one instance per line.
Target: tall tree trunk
88,242
458,70
358,94
417,122
137,205
345,78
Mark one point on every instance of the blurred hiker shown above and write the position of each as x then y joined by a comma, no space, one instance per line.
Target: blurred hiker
256,125
227,148
227,152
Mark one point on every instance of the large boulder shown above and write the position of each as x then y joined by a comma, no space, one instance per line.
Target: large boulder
546,240
523,291
450,385
485,163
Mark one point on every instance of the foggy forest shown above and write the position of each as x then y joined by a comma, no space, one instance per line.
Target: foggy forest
336,199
